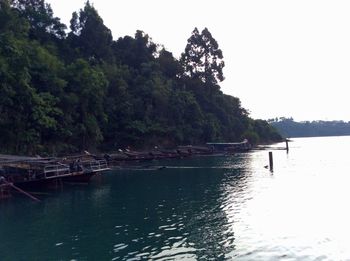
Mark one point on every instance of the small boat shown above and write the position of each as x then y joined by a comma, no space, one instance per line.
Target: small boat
34,172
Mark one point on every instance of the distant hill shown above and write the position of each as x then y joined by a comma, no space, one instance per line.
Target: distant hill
287,127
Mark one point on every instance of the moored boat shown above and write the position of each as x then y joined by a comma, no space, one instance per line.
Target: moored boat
37,172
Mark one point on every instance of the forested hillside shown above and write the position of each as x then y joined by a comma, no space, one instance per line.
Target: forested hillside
290,128
69,89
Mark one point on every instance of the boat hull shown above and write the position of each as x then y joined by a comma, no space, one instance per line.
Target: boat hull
79,177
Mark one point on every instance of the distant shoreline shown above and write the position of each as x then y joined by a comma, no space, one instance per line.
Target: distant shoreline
292,129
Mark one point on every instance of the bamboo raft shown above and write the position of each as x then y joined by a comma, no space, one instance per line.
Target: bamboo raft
157,154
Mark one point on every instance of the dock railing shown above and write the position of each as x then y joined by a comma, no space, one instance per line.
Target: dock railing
96,165
56,170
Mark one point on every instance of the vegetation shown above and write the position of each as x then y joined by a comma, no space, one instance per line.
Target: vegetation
289,128
66,91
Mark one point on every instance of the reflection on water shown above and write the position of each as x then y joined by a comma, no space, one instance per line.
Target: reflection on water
209,208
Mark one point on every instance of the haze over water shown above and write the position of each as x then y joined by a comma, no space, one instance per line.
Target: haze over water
200,208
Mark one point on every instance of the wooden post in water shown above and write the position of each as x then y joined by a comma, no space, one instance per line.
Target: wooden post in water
271,160
287,146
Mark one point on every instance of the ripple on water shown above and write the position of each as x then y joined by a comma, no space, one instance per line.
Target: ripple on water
211,208
118,247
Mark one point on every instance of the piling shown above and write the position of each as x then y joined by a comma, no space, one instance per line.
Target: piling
287,146
271,160
4,191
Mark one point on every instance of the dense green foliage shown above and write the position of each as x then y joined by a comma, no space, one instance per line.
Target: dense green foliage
290,128
65,92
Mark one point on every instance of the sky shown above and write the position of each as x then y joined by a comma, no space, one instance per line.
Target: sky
282,58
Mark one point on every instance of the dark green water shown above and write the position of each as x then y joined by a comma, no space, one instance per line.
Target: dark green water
207,208
173,212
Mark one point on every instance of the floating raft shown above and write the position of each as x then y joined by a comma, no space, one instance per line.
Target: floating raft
179,152
23,172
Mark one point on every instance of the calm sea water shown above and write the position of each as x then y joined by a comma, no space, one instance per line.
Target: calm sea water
205,208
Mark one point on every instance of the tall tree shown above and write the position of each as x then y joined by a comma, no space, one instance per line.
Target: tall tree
44,26
202,58
135,51
89,34
168,64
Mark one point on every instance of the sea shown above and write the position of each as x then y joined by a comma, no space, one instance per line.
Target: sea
200,208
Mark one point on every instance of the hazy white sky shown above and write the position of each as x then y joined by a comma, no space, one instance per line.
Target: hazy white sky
283,58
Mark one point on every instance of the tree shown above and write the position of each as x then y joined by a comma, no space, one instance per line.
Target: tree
11,23
90,36
135,51
83,107
168,64
43,25
202,58
27,114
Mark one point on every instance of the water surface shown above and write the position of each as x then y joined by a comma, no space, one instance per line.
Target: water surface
205,208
